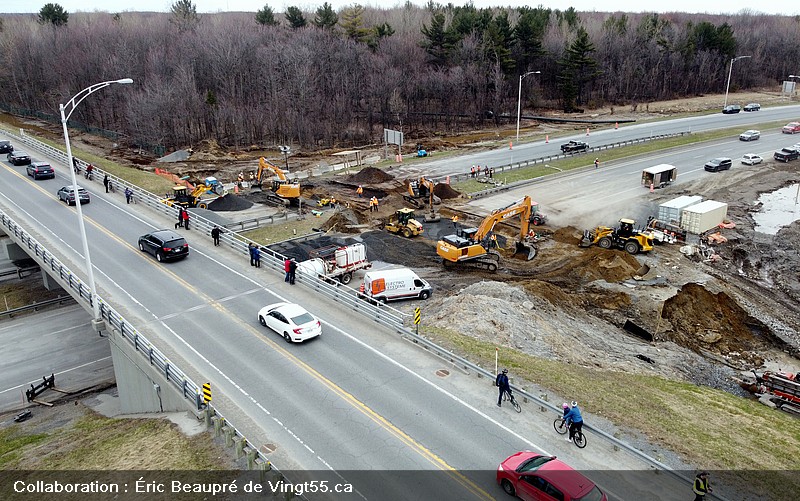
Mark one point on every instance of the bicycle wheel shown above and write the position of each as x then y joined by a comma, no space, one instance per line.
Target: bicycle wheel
579,439
516,405
561,426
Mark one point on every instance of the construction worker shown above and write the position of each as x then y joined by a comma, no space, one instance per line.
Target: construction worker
454,219
373,204
596,163
701,486
360,191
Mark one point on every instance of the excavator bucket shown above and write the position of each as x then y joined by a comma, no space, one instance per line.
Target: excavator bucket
587,240
524,250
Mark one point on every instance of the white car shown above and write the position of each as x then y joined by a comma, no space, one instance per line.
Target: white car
751,159
749,135
291,321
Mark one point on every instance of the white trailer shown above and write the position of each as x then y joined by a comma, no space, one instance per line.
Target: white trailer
659,176
336,263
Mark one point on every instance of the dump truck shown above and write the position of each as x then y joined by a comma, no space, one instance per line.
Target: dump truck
659,176
336,262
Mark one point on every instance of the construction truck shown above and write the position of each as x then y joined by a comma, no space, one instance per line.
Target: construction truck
336,262
419,193
537,218
403,222
625,237
183,197
286,192
475,248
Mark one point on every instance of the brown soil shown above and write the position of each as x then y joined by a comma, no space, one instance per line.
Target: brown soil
370,175
445,191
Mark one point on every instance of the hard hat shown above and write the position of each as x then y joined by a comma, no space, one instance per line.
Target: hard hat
574,403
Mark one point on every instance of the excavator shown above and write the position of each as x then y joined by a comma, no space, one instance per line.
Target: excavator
287,192
475,250
625,237
181,196
418,192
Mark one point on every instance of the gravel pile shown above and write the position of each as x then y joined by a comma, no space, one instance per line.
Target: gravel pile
370,175
230,202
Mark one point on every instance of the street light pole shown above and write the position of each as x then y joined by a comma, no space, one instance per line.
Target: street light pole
66,112
730,70
519,98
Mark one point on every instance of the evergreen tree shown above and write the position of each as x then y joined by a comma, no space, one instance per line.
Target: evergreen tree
577,68
438,40
379,32
326,17
184,15
528,34
266,17
352,23
53,13
295,18
498,40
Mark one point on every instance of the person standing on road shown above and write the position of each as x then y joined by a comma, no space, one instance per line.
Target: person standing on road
250,248
179,224
287,267
575,420
185,219
257,256
702,486
596,163
502,384
454,219
292,271
128,195
105,182
215,232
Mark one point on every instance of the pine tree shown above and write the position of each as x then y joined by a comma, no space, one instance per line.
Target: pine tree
295,18
326,18
53,13
266,17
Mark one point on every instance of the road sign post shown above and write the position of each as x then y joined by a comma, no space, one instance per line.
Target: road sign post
417,318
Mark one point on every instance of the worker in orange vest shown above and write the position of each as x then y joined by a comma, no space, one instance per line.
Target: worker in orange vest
373,204
455,221
360,191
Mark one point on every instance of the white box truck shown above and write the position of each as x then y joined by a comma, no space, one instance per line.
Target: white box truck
394,284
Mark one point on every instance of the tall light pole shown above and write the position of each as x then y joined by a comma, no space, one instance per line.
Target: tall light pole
66,112
728,85
519,99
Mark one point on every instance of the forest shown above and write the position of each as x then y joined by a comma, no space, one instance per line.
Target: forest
331,78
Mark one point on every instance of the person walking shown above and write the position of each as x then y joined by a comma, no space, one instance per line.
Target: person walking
575,420
596,163
215,232
179,224
185,218
250,248
89,172
105,182
502,384
360,191
128,195
287,268
292,271
702,486
256,256
75,165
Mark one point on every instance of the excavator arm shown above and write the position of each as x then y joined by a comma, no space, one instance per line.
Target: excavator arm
285,189
520,208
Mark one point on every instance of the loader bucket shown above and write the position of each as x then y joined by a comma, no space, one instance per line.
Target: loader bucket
524,250
587,240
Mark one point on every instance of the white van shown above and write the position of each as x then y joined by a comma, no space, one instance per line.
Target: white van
399,283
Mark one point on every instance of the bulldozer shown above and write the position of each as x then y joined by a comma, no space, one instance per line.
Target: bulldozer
420,192
625,237
475,249
402,222
182,197
286,192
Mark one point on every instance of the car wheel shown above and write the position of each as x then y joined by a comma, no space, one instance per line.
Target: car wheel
159,256
262,321
406,232
632,247
507,487
346,278
604,243
424,295
287,337
141,246
383,300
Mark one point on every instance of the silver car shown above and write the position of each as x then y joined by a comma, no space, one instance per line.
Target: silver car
751,159
750,135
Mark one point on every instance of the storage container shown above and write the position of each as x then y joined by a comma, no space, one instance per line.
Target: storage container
703,216
670,211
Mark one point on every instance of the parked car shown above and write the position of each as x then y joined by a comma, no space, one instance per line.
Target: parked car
750,135
731,108
40,170
165,245
786,154
751,159
718,164
574,146
291,321
6,147
66,194
534,477
18,158
791,128
752,107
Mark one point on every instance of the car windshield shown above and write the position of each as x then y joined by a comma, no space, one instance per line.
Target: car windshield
303,318
592,495
533,464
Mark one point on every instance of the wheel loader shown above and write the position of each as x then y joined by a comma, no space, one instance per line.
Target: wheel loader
625,237
403,223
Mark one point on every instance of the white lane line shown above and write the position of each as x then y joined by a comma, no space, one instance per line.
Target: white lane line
57,373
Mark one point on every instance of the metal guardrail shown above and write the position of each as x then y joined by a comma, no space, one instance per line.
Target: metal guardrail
35,306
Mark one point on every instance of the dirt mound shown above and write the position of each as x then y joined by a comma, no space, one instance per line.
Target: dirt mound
703,320
445,191
229,202
370,175
343,221
389,248
586,265
568,235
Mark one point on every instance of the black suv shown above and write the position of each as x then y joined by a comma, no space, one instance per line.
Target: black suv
6,147
165,245
18,158
573,146
41,170
731,108
786,154
718,164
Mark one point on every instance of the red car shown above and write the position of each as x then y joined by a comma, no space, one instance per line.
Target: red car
791,128
534,477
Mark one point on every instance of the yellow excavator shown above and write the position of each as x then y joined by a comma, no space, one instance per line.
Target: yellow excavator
181,195
288,192
419,192
475,248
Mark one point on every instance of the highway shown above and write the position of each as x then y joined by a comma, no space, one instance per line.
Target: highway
358,398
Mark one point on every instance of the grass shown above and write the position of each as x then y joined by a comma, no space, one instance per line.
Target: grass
710,428
279,232
13,443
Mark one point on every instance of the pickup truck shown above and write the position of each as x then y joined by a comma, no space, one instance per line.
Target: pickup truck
786,154
574,146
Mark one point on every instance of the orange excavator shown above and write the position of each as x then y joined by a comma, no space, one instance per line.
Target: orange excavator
288,192
418,193
475,249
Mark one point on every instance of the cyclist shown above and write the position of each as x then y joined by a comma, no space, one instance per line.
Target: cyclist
565,409
573,416
502,384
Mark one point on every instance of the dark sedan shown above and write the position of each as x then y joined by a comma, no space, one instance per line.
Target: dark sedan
6,147
165,245
18,158
41,170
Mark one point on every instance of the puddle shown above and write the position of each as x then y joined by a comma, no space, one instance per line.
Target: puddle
778,209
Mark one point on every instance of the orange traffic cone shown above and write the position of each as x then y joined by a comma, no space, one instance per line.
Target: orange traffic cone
652,188
546,139
447,181
587,131
616,125
510,145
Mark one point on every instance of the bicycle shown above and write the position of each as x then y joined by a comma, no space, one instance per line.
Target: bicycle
508,396
561,428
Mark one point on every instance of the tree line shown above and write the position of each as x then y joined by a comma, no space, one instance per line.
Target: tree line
336,78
